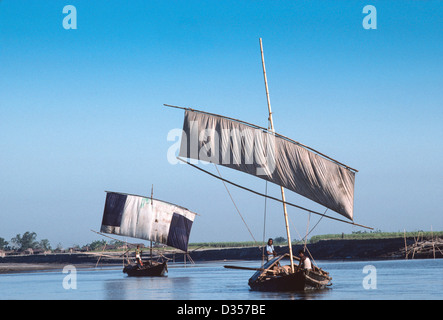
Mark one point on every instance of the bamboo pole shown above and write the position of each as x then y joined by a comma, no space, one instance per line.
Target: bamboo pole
406,246
100,255
152,204
283,197
190,258
244,268
136,195
433,244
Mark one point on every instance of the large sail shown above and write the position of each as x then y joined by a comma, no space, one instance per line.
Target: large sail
146,218
272,157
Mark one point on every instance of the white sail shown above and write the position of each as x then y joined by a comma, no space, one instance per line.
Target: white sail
251,149
146,218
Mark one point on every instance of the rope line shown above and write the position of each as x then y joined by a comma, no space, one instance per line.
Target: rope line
235,205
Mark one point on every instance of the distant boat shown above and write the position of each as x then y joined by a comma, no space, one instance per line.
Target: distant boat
149,269
149,219
261,152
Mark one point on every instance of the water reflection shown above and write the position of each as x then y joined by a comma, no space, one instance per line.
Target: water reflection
298,295
146,288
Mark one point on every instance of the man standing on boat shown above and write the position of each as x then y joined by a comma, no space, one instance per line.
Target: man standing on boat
270,250
138,256
305,262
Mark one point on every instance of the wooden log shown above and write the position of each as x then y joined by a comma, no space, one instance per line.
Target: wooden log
248,268
243,268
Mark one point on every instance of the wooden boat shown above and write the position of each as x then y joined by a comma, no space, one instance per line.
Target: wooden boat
274,277
149,219
149,269
275,158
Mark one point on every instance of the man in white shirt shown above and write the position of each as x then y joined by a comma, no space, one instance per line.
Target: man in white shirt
270,250
305,262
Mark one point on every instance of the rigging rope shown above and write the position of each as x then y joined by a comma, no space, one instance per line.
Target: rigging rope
307,233
317,222
273,198
307,229
235,205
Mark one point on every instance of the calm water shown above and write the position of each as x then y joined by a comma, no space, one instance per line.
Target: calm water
404,279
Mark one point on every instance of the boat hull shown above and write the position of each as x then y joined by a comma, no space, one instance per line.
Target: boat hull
148,270
298,281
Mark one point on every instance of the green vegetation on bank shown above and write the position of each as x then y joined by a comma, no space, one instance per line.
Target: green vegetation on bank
233,244
376,235
352,236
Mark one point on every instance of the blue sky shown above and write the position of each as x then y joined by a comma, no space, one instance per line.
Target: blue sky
81,110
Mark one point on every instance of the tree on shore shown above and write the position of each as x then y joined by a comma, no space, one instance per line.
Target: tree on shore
95,245
4,244
279,240
45,245
29,241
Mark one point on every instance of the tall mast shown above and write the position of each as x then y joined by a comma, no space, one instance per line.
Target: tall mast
150,245
272,129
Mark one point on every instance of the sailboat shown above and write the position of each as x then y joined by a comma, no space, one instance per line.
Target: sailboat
265,154
148,219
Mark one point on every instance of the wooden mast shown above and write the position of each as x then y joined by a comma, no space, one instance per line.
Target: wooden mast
150,246
273,131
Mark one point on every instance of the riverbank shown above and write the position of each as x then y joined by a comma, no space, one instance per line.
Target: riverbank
370,249
50,262
340,249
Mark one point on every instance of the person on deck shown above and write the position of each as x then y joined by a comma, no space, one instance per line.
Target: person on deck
270,250
138,256
304,262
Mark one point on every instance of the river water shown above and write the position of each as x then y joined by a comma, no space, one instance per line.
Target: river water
373,280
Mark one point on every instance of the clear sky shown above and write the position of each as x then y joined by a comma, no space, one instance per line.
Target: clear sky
81,110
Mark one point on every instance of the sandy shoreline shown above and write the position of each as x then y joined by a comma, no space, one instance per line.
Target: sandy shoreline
8,268
26,267
53,262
